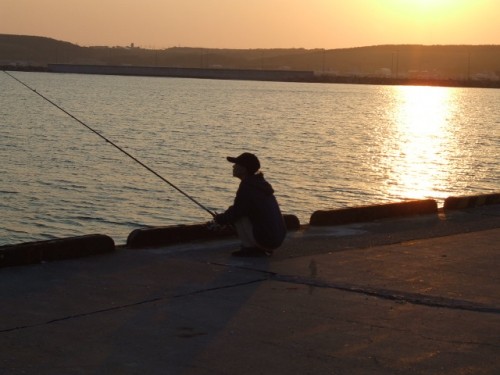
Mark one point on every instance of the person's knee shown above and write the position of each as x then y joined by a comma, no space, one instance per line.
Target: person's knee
244,228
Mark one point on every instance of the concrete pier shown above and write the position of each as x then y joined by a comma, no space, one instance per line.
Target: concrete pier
413,295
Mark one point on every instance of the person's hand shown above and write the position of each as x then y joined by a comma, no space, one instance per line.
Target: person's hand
212,226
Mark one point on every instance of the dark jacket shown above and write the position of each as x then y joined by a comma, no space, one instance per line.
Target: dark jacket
255,199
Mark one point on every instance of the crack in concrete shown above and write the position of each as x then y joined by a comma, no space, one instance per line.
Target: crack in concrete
133,304
394,295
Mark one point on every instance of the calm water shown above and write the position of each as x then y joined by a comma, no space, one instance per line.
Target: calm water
321,146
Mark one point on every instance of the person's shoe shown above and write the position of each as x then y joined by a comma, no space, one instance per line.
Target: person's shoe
251,252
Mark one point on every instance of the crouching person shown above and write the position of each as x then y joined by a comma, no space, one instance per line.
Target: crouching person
255,212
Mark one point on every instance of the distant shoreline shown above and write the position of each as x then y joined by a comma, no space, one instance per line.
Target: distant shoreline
254,75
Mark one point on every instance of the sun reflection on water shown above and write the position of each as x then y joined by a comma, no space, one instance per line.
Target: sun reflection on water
418,165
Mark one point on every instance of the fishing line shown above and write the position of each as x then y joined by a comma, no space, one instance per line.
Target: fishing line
113,144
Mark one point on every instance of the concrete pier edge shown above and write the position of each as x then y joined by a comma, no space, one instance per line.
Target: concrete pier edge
470,201
57,249
93,244
373,212
170,235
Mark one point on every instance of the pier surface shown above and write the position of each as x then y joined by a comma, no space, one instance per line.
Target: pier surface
417,295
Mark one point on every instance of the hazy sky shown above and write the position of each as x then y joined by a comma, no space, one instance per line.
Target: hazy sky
255,23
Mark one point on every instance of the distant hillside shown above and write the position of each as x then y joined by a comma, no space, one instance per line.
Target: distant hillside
405,61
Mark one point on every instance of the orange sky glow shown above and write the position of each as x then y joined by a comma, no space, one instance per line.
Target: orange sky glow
255,24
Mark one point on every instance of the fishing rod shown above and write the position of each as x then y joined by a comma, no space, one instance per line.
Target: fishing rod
113,144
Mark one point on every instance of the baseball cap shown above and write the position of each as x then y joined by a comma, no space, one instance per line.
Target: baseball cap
247,160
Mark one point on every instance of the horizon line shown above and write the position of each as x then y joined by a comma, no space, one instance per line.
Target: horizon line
133,45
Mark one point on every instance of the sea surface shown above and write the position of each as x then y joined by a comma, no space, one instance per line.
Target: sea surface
322,146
